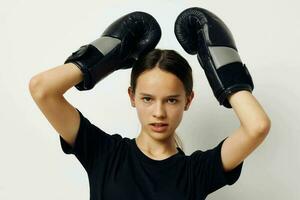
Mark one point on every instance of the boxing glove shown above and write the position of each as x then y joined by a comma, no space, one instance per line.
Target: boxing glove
119,46
201,32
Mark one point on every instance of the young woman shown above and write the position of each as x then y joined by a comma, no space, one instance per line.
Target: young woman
152,165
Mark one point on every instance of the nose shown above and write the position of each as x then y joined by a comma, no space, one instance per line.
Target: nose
159,111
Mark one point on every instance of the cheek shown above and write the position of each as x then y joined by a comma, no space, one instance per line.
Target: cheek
142,113
177,114
177,110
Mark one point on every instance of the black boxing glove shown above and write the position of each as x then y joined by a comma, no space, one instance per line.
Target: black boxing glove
119,46
201,32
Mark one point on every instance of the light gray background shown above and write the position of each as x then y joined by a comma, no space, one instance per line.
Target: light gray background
38,35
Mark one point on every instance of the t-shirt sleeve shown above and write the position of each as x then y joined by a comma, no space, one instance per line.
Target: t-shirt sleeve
91,143
209,174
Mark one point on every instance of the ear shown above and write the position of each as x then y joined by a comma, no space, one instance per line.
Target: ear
131,96
189,100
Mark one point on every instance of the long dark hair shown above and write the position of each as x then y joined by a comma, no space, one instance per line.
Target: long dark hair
169,61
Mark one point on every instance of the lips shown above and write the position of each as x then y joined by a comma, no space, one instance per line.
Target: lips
159,124
159,127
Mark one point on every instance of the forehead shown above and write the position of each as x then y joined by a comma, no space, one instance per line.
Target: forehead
158,82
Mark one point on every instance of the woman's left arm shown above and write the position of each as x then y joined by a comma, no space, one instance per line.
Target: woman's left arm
254,127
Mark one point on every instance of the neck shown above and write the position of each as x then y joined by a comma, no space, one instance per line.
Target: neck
156,147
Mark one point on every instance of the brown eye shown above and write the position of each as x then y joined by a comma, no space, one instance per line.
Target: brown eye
146,99
173,101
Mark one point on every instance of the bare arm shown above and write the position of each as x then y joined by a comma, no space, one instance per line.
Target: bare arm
255,125
47,89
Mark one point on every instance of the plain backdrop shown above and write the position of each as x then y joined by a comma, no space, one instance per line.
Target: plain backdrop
39,35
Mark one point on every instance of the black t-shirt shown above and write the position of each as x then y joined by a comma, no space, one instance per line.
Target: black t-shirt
118,170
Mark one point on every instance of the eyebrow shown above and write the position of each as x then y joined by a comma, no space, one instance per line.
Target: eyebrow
145,94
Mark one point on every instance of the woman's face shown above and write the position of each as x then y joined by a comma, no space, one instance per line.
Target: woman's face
159,98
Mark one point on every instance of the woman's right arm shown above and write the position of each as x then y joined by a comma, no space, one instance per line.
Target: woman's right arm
47,89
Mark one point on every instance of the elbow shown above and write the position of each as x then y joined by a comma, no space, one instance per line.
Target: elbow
264,127
261,129
34,87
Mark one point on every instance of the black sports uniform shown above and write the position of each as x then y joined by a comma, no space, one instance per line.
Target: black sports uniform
118,170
